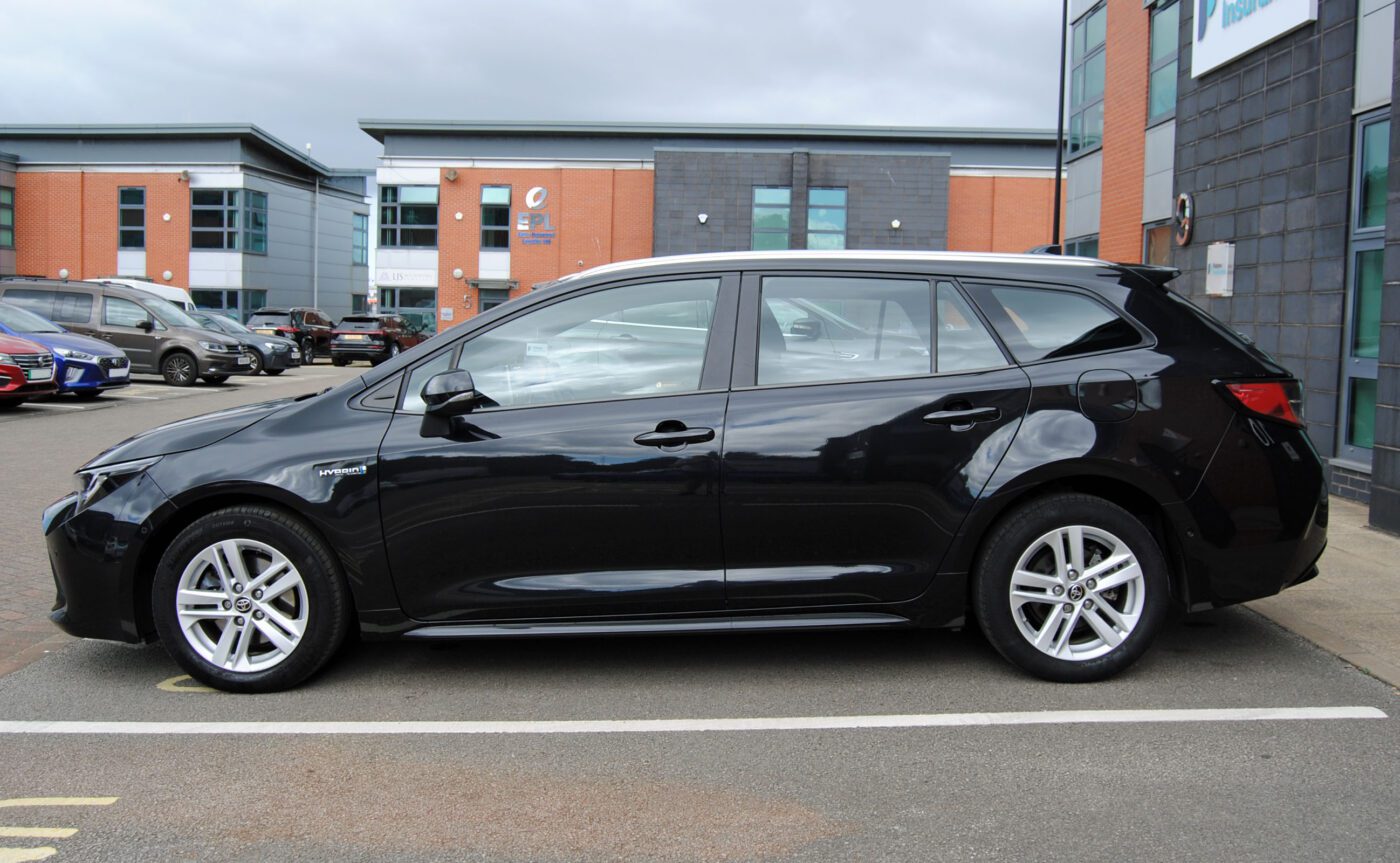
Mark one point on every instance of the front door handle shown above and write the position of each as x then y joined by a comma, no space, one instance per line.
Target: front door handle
965,417
671,433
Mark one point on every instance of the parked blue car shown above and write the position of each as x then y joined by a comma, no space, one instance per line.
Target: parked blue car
83,365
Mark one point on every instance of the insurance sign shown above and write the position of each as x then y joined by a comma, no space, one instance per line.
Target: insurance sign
1225,29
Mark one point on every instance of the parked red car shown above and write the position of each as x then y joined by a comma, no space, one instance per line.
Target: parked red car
26,370
371,337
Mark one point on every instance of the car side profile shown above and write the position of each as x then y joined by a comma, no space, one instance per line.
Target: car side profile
1062,449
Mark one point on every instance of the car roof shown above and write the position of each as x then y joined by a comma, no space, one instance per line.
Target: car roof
112,288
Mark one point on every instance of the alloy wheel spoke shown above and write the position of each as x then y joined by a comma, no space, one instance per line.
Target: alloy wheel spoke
1105,630
240,652
225,644
192,598
1129,573
1111,614
1062,643
1057,545
1074,538
1023,578
233,556
1047,631
274,635
1021,597
290,625
281,586
278,566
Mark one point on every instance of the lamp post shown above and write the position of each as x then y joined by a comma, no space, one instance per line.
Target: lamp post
1060,125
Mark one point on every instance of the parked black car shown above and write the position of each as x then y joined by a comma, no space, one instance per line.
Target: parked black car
1061,448
272,355
371,337
309,328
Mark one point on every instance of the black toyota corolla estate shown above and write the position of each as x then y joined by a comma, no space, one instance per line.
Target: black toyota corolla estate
1062,448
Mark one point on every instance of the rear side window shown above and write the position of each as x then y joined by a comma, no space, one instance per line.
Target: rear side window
814,328
38,302
1044,324
61,306
963,341
270,319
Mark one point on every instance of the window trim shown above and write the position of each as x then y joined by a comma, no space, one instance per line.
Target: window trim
1172,59
1148,227
1359,241
10,207
122,228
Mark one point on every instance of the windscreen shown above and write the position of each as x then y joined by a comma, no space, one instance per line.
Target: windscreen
24,321
170,314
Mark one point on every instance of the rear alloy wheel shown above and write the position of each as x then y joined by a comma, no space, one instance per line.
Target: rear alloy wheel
179,369
1071,588
248,599
308,352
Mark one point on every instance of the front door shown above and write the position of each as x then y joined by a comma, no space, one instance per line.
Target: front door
586,483
860,438
120,326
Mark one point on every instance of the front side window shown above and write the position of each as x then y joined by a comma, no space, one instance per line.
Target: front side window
1086,81
826,218
815,328
359,239
495,217
215,219
1161,87
408,216
117,312
7,217
131,217
1042,324
627,342
772,213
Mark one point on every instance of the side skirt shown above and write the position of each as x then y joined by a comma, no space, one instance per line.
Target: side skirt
663,626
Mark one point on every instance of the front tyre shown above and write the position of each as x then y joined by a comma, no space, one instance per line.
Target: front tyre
249,599
1071,588
179,369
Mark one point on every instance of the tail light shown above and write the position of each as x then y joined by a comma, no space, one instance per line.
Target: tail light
1276,400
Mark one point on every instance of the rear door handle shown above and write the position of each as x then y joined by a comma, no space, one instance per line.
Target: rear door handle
674,437
964,417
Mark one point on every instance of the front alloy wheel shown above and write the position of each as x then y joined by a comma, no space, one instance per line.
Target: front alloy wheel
1071,588
179,369
250,599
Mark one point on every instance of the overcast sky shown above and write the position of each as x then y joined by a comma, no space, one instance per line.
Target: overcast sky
307,70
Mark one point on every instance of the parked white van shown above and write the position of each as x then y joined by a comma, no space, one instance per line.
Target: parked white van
178,296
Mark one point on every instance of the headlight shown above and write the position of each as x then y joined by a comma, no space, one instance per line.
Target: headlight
7,359
216,347
74,355
98,482
272,346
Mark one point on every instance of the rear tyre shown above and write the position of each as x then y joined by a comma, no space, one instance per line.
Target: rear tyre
1071,588
249,599
273,372
339,361
308,352
179,369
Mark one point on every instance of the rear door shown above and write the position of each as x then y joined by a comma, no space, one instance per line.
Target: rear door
867,413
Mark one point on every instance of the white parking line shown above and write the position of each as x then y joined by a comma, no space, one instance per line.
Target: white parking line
649,726
60,407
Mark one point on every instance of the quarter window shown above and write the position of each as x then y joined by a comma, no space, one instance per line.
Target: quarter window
408,216
627,342
813,328
1040,324
963,341
359,239
7,217
1086,82
1161,88
826,218
495,217
131,218
772,213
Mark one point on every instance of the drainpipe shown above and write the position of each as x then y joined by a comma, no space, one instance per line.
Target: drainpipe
316,246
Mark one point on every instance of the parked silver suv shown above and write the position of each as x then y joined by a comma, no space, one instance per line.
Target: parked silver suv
159,337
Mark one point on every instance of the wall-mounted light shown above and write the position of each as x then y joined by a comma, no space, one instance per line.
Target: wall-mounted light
894,223
457,273
458,216
165,217
702,218
450,174
63,273
184,176
167,275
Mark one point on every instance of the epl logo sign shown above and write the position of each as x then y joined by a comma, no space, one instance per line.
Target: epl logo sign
535,228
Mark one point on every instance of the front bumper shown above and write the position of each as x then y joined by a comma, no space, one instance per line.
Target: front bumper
281,359
93,554
79,376
225,364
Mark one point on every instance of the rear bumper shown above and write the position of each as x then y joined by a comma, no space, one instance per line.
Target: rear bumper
359,352
1257,523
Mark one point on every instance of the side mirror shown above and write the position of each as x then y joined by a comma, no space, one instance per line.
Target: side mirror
450,394
146,325
806,328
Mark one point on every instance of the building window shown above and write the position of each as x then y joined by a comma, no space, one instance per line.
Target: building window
255,223
235,304
131,218
214,217
1156,244
1161,89
772,214
1086,81
359,304
1087,247
359,239
418,306
1361,345
495,217
408,217
7,217
490,298
826,218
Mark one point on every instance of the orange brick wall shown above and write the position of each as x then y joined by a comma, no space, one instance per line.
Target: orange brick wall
68,220
599,216
999,214
1124,130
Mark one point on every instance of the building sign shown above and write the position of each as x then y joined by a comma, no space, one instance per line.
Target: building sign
1225,29
534,228
401,277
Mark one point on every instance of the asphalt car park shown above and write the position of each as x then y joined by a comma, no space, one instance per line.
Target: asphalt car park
815,746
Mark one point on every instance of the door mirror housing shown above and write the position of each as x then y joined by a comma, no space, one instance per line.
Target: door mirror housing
451,393
806,328
146,325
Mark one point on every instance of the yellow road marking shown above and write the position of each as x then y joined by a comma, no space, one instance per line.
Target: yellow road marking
15,802
22,855
37,832
177,684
